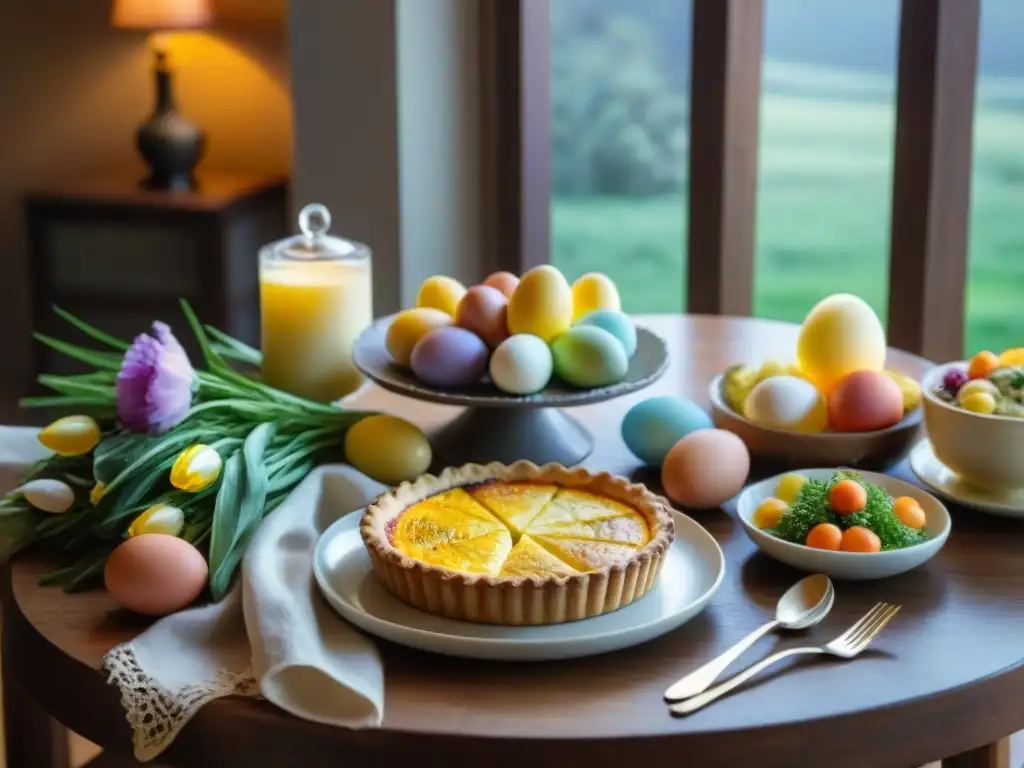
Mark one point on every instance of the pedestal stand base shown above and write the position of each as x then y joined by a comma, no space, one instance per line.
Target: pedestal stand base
540,435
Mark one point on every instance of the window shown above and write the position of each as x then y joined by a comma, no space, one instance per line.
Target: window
620,99
619,102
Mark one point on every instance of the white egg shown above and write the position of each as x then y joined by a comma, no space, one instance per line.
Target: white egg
787,402
521,365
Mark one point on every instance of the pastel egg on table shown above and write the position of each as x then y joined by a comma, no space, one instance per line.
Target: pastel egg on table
541,304
441,292
841,334
408,327
651,427
505,282
594,291
521,365
616,323
787,402
588,356
450,357
483,310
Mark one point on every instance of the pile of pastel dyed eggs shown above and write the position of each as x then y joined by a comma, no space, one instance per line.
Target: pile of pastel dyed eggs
519,331
701,467
838,382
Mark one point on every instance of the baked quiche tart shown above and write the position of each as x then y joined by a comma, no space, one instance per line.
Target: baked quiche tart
518,544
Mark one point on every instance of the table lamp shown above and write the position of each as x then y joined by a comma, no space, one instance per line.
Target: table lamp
169,142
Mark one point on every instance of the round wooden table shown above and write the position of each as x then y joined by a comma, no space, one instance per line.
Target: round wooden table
944,678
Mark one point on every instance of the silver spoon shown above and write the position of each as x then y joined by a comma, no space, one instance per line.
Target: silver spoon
803,605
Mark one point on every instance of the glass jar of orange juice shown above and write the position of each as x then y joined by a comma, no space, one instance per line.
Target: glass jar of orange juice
316,297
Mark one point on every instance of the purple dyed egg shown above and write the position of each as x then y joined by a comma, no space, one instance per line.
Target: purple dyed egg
953,380
450,357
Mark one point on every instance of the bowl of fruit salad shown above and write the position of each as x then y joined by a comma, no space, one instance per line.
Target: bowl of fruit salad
974,417
845,524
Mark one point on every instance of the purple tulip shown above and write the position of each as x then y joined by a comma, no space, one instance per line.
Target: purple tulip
154,385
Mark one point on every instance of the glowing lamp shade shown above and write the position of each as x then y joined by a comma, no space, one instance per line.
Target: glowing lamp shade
161,14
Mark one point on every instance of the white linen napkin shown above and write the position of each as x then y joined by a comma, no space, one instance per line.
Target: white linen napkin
273,635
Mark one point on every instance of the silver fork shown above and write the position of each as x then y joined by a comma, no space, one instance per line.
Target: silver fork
846,646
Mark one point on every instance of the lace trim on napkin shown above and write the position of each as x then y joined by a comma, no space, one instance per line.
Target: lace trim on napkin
157,715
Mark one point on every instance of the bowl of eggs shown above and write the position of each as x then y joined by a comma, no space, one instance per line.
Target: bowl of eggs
974,417
836,404
514,349
846,524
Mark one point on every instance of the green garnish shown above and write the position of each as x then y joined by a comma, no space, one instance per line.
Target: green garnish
811,508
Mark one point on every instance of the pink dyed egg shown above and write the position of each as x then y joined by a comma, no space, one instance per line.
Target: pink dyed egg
505,282
864,401
483,310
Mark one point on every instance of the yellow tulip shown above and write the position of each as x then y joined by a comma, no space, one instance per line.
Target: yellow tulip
196,468
160,518
97,493
71,436
48,495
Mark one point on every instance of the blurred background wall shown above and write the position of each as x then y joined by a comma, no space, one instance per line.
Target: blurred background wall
73,89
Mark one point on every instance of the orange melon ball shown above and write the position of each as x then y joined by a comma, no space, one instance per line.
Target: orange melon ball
982,365
860,539
847,497
909,512
824,536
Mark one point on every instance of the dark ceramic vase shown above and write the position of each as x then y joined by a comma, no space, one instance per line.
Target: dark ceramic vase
169,142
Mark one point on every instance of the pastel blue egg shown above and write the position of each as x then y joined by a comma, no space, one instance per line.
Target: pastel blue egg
588,357
617,324
653,426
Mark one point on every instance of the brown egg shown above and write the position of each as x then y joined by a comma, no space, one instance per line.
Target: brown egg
505,282
484,311
155,574
705,469
864,401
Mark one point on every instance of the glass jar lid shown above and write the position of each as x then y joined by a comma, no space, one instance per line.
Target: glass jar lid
314,243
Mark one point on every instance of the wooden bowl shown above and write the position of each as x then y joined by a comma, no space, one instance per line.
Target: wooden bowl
783,449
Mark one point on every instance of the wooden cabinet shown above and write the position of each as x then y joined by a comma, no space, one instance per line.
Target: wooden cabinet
120,256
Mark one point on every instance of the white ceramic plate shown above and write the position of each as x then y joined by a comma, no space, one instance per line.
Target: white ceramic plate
691,574
848,565
946,483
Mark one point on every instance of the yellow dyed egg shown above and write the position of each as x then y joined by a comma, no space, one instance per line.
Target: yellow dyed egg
440,292
409,327
593,291
542,304
388,449
909,388
840,335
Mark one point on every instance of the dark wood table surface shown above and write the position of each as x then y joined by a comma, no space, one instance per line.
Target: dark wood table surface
944,679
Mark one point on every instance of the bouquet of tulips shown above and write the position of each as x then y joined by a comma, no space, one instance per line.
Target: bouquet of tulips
157,446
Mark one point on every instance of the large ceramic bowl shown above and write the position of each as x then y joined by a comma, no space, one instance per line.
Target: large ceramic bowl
855,566
786,449
984,450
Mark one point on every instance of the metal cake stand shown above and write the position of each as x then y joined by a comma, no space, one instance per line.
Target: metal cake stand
500,427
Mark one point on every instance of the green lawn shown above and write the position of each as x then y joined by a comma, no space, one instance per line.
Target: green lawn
823,218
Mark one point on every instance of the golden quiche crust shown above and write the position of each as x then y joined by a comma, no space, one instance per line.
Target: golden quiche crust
526,598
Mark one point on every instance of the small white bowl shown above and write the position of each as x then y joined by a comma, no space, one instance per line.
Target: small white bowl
855,566
982,449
